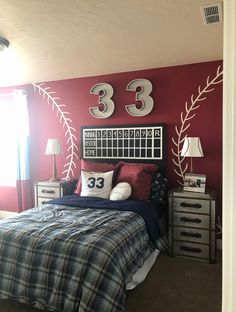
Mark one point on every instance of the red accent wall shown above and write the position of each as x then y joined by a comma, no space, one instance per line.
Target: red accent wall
8,198
172,87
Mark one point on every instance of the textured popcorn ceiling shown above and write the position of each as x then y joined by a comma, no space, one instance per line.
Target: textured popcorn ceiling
60,39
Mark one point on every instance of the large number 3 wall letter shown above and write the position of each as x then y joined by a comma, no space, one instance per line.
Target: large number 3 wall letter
142,87
142,95
105,92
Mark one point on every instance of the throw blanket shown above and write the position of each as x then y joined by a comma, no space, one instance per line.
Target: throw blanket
66,258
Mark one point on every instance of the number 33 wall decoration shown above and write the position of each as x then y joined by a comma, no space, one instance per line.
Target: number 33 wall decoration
142,87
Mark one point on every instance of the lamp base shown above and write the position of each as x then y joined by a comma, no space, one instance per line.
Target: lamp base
54,179
54,172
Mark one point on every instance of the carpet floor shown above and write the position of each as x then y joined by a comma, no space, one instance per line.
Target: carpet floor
173,285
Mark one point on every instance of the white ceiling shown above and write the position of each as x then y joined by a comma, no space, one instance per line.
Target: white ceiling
60,39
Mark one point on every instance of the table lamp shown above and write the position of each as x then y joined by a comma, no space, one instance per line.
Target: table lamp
192,148
53,148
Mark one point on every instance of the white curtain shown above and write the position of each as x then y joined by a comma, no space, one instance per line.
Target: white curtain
23,182
7,142
21,125
229,159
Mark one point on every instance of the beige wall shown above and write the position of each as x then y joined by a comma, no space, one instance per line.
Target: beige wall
229,156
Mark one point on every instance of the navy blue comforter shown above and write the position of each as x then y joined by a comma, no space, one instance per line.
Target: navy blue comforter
144,208
75,253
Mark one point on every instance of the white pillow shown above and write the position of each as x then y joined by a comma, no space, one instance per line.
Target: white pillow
121,191
96,184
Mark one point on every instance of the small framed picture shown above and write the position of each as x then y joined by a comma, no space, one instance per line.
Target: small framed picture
195,182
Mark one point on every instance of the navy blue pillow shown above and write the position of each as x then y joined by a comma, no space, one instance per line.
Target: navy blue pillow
159,193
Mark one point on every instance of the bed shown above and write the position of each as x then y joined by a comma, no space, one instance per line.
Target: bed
83,251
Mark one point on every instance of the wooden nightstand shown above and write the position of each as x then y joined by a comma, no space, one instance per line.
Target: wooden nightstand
47,190
192,225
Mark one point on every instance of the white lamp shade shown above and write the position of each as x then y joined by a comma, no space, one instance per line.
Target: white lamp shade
53,147
192,147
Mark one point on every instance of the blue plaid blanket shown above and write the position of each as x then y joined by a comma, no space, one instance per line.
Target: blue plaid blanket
61,258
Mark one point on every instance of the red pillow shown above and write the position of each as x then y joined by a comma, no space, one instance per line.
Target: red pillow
88,165
139,176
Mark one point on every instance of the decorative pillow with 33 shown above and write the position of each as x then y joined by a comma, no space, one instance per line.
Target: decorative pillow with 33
195,182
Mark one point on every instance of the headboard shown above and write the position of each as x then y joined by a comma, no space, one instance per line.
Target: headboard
136,143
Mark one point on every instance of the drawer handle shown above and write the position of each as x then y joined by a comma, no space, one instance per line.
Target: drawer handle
189,234
48,191
196,220
191,249
190,205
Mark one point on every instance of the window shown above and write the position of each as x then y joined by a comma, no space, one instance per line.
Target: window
13,125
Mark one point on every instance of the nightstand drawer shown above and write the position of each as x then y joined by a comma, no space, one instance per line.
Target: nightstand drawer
191,250
47,191
191,234
43,200
191,220
191,205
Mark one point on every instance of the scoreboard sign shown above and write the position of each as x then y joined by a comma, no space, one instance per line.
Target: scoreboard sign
129,142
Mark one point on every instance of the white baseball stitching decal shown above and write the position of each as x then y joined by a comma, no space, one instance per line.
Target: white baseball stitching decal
66,123
185,124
